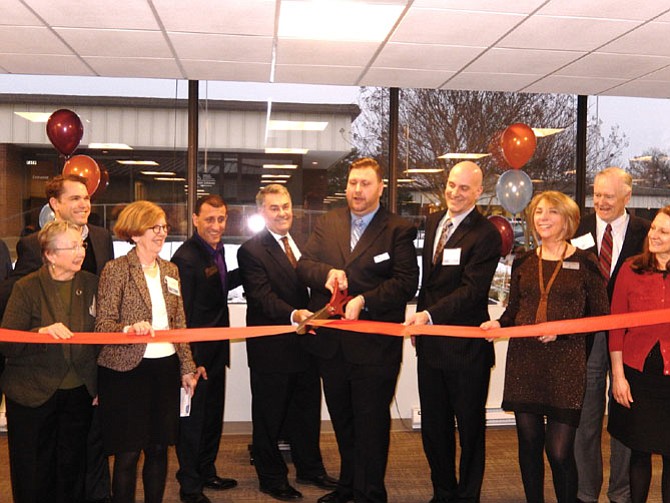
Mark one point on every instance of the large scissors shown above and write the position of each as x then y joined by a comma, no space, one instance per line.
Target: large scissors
334,308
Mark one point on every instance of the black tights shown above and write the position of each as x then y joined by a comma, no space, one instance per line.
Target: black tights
640,477
558,439
154,473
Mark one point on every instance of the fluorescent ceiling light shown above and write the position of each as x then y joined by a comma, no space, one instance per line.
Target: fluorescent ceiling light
166,179
463,155
138,163
642,158
423,170
275,176
158,173
276,125
541,132
284,150
34,116
399,180
280,166
110,146
338,20
266,180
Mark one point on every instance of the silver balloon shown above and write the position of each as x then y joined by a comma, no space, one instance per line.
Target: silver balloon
46,215
514,190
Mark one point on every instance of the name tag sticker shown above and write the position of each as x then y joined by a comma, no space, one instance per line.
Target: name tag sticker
382,257
571,265
583,242
451,256
184,403
172,285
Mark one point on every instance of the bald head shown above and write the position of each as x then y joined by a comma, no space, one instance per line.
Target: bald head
464,186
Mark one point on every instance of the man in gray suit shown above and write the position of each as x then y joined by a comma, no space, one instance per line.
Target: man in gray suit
612,189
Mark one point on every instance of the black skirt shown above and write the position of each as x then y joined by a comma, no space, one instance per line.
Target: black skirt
140,408
644,427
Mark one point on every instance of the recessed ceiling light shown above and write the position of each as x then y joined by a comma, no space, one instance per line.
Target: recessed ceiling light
423,170
275,176
110,146
463,155
158,173
34,116
339,20
166,179
271,180
138,163
280,166
542,132
285,150
276,125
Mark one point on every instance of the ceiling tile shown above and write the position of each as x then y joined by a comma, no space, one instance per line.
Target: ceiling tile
572,85
518,6
163,68
226,70
52,64
523,61
433,57
476,81
15,13
565,33
319,52
645,40
643,89
128,14
222,47
434,26
662,74
230,17
311,74
119,43
401,77
30,40
621,66
609,9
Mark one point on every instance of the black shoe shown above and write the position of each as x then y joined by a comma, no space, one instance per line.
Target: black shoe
282,493
220,483
193,498
324,481
335,497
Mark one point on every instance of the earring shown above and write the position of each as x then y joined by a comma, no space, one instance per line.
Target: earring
53,265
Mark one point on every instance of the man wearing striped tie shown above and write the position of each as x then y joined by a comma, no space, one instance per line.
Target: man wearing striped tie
613,235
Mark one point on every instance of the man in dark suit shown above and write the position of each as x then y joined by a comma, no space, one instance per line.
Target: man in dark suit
370,251
285,384
460,255
70,201
612,189
205,282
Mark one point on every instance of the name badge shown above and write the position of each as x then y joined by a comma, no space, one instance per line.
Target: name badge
91,309
584,242
172,285
382,257
451,256
571,265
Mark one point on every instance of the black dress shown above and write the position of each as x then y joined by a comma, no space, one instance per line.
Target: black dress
550,378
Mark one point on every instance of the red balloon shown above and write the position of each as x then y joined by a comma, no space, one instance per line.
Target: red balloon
85,167
518,144
506,233
65,130
104,183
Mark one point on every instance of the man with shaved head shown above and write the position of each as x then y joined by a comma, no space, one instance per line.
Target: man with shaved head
460,256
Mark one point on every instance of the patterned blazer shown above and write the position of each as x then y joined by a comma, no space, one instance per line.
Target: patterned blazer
123,299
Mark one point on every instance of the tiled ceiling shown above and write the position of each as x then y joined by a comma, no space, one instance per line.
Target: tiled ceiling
591,47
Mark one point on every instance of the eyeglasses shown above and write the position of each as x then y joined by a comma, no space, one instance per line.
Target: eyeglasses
158,228
74,249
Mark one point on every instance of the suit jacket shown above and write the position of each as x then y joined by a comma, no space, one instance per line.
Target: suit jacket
273,292
458,294
34,372
124,299
29,257
205,302
633,242
382,267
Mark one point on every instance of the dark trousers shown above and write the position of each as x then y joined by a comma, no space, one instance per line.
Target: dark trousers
47,447
446,395
200,433
358,398
286,403
98,479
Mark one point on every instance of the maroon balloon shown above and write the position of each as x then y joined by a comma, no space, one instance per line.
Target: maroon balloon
65,130
104,183
506,233
85,167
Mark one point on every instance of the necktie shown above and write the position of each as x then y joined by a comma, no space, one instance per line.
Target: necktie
220,262
289,252
356,231
605,257
443,241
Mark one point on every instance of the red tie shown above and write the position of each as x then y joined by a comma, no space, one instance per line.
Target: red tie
605,257
289,252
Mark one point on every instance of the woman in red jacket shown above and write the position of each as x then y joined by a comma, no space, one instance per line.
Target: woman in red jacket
641,361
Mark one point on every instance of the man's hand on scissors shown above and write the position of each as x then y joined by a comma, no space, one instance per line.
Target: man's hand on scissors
354,308
339,276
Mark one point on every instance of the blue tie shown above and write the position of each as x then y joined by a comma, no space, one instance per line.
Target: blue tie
356,231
